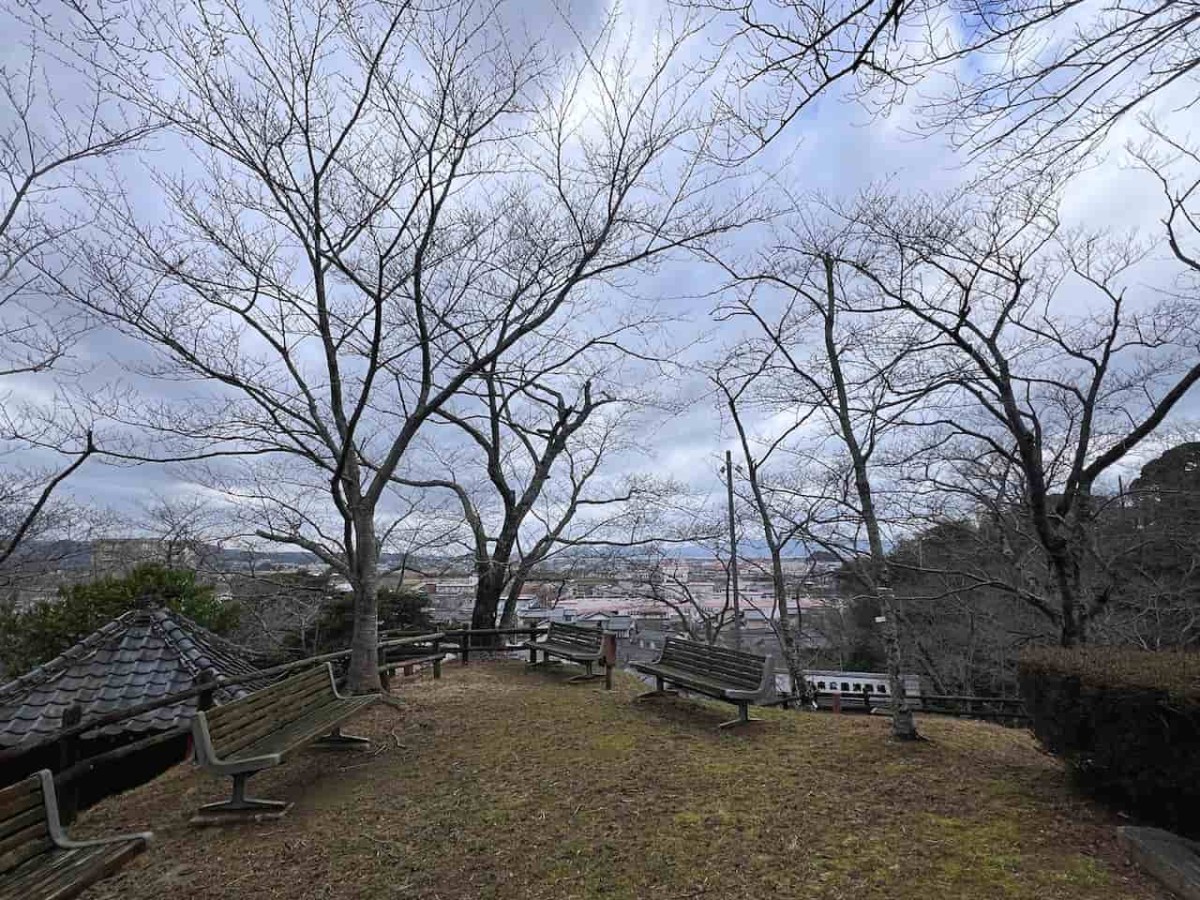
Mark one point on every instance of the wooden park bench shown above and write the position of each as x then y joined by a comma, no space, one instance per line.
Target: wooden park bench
264,728
730,675
37,859
576,643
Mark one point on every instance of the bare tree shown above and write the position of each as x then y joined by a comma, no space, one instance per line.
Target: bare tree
822,348
1055,371
736,382
1042,82
538,429
663,578
55,122
385,200
1052,79
783,55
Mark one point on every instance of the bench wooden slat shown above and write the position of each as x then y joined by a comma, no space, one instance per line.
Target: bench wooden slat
574,642
19,797
747,664
67,873
27,835
233,731
714,664
690,657
33,816
301,731
31,848
264,697
688,678
230,716
265,719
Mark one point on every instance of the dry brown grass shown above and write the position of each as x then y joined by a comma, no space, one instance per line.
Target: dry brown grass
498,783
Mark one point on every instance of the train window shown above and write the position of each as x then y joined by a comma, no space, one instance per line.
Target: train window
870,688
882,689
845,686
821,685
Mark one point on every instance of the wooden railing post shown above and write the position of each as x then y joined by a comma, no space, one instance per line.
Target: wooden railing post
385,674
437,663
608,647
68,756
208,680
465,641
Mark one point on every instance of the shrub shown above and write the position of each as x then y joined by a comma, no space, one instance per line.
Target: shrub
33,635
402,608
1128,723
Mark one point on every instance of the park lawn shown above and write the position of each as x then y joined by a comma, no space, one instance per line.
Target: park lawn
495,782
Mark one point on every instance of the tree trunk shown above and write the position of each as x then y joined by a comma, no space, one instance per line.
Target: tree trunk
363,674
487,595
788,639
904,728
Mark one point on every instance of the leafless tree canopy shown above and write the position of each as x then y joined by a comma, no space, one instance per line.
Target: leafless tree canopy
1024,83
53,136
380,202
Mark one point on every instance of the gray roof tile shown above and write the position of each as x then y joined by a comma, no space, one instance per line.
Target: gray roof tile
143,654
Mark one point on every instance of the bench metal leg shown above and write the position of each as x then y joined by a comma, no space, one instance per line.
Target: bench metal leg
335,740
660,690
588,675
742,719
240,807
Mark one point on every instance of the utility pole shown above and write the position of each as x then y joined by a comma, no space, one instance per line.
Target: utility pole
733,557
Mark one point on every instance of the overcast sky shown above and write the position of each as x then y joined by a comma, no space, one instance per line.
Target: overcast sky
836,147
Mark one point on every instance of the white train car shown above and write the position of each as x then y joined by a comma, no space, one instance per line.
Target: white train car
849,687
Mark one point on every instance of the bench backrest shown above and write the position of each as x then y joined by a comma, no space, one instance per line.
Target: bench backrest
740,670
235,725
585,638
24,826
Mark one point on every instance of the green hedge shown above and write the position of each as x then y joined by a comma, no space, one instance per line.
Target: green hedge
1127,721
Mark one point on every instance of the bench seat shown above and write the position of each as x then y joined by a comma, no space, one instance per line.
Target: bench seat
731,675
566,651
37,859
700,684
303,731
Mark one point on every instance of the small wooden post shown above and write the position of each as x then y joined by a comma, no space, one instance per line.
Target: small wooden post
68,755
608,647
205,700
437,663
466,646
837,702
385,674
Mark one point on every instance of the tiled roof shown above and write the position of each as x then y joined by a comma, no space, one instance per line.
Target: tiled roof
141,655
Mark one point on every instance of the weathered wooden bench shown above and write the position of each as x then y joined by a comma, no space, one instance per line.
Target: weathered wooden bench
582,644
731,675
261,730
37,859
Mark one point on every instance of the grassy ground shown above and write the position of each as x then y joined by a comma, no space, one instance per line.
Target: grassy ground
497,783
